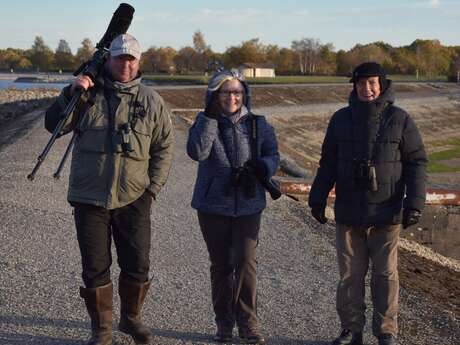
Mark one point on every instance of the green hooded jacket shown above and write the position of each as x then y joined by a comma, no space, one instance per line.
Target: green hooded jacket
124,143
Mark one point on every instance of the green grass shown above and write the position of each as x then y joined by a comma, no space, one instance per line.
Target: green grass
435,165
409,78
177,79
298,79
199,79
202,80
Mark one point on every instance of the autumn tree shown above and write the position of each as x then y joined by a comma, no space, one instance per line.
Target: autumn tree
204,52
249,51
185,60
403,61
85,52
12,59
454,69
41,56
363,53
158,60
327,64
199,43
286,62
431,57
63,58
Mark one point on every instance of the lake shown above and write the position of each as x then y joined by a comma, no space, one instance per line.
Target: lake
9,83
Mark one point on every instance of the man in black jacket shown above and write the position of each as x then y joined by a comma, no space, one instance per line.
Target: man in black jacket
374,155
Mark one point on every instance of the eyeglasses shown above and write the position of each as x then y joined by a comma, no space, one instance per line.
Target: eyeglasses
228,93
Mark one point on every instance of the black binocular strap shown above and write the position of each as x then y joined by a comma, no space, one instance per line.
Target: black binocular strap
254,150
381,120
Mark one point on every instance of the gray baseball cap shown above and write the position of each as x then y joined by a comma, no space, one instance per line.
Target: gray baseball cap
125,44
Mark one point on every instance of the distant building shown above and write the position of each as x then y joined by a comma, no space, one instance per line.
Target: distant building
254,70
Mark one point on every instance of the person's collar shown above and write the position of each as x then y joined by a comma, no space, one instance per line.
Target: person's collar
129,87
234,118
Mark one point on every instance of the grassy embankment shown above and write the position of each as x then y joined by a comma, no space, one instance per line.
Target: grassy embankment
202,80
437,159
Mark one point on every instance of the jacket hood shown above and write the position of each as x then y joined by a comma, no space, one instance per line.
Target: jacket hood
387,96
105,80
219,78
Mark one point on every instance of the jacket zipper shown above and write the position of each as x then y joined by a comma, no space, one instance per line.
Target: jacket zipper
236,165
111,153
123,156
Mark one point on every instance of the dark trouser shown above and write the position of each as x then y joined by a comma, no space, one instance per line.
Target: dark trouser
232,243
130,228
356,246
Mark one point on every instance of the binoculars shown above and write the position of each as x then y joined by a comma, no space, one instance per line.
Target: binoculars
244,178
124,137
365,174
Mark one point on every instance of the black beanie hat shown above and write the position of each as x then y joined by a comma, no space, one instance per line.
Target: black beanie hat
370,69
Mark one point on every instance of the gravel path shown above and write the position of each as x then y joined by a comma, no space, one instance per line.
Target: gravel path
40,265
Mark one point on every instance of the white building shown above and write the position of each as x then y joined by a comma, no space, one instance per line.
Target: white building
254,70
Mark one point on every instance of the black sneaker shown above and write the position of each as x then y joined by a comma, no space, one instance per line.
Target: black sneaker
347,337
386,339
223,335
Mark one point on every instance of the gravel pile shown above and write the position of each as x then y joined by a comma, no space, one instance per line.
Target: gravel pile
14,102
429,254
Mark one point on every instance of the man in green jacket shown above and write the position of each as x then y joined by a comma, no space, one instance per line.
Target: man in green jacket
120,161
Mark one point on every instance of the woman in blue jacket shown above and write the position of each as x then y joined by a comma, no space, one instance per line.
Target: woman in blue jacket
237,154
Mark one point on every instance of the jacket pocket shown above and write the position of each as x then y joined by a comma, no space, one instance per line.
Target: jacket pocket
93,133
134,179
87,177
216,191
140,139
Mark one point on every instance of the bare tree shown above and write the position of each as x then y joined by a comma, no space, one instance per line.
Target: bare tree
308,52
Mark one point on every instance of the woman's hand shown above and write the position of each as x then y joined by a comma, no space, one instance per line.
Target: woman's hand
259,168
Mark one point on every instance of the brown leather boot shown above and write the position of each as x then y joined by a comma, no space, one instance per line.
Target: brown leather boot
99,305
132,296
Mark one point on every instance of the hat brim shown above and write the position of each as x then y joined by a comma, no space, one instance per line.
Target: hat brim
130,52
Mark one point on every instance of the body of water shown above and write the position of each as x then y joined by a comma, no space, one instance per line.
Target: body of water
9,83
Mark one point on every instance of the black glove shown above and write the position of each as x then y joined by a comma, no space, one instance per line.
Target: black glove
212,109
410,217
319,213
258,167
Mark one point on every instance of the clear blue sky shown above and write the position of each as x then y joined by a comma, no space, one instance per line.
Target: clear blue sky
343,23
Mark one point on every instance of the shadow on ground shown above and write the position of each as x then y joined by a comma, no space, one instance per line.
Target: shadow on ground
8,337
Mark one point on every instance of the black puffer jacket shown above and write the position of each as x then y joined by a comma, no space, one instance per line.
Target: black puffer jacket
375,131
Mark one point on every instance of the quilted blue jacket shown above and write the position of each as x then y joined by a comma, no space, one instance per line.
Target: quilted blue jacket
218,145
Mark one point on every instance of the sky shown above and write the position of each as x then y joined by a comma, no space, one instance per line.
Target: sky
344,23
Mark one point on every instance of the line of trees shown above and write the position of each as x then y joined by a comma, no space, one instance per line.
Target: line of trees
306,56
